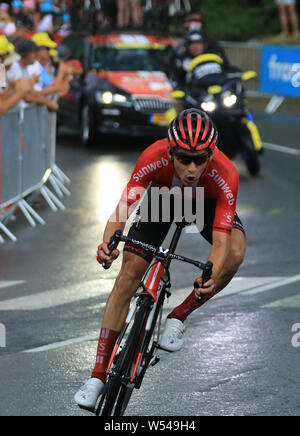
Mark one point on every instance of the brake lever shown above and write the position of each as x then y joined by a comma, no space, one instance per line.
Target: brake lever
206,276
113,244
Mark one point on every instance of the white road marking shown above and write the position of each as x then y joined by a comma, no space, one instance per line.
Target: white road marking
289,302
280,283
62,344
239,285
101,288
7,284
281,148
61,296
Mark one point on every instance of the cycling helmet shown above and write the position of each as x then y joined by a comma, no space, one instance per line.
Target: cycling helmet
193,130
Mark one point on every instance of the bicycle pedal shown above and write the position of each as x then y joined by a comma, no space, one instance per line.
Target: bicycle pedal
154,360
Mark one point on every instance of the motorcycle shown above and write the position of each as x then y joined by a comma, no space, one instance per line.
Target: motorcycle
221,95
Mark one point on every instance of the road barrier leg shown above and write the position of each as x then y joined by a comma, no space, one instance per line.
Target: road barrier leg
58,186
60,174
53,181
7,232
62,186
47,194
44,193
30,213
34,213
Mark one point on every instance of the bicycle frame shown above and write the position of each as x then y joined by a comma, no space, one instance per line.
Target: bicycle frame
151,287
151,299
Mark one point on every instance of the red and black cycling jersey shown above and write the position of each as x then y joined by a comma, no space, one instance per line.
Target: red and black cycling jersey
220,181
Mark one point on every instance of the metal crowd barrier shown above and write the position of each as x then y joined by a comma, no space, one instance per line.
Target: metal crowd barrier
27,165
278,69
246,56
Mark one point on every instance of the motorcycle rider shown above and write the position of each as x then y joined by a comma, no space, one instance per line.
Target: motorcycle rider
196,43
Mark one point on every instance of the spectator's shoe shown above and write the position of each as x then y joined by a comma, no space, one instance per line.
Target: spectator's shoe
172,337
88,394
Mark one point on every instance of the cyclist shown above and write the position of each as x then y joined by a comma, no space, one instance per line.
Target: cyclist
187,158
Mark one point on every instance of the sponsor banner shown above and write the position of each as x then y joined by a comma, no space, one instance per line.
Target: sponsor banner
280,71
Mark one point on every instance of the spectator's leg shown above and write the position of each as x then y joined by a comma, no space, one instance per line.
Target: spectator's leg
136,12
284,19
123,13
294,19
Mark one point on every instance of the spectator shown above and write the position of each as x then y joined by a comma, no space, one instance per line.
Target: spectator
43,68
16,8
288,16
65,28
4,8
7,53
30,6
10,97
7,24
23,26
10,59
5,48
123,15
46,24
68,67
19,15
27,50
136,13
15,93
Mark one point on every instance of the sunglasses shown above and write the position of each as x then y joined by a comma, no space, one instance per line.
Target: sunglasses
185,159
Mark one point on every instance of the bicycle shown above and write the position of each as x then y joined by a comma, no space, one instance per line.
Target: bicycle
138,342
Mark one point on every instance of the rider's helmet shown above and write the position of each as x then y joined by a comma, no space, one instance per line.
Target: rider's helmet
193,130
193,22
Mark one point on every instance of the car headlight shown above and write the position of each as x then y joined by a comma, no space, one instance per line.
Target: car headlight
108,98
209,106
229,100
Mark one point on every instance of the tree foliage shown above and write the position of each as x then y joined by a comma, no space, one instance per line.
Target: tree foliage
239,20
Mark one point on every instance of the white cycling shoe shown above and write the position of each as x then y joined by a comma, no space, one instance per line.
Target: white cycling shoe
172,337
89,393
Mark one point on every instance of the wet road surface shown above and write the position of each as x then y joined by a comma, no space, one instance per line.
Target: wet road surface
240,357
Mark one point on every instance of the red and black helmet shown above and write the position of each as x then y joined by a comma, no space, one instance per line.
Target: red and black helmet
193,130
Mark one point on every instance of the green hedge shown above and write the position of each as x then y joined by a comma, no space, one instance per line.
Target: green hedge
239,20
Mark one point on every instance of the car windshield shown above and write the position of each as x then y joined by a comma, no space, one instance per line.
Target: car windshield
133,59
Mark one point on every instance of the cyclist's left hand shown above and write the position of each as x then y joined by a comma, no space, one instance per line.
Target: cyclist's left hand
204,288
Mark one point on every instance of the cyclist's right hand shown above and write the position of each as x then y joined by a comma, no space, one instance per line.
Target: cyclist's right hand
104,256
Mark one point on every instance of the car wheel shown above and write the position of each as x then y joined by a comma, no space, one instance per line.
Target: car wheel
87,134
